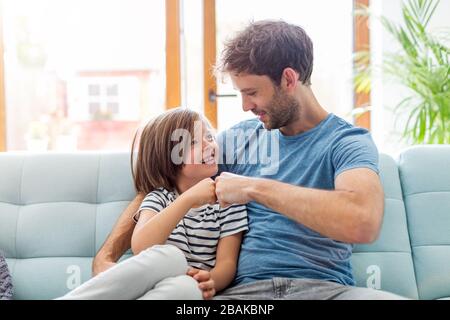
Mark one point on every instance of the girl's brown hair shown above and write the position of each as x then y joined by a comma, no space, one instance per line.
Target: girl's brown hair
154,167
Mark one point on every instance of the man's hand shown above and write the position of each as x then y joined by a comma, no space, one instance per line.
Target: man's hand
233,189
205,283
100,265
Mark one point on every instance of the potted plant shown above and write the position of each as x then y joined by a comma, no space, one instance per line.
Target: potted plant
422,66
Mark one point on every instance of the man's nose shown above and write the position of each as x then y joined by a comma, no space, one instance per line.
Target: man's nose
247,105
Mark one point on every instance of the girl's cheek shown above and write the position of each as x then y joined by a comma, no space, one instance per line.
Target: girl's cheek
194,156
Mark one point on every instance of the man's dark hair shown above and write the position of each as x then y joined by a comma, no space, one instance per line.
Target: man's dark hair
267,48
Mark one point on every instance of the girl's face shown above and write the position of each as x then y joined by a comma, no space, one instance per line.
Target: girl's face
201,159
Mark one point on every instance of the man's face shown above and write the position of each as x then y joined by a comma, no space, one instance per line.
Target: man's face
274,107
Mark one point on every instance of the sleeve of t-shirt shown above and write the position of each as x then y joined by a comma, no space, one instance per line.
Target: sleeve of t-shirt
353,151
233,220
154,201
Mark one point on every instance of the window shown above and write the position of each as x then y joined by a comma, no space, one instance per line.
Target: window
78,73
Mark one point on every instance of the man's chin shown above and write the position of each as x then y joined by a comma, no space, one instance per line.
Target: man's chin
267,125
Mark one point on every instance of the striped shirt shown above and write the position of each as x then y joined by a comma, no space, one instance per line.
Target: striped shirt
199,232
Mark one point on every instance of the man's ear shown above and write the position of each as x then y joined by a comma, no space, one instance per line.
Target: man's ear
290,79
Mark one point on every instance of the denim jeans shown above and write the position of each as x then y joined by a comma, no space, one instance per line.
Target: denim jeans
301,289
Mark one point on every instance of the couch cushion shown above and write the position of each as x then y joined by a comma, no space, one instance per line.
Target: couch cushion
56,210
387,263
425,177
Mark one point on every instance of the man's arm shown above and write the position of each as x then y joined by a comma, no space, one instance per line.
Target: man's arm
119,239
351,213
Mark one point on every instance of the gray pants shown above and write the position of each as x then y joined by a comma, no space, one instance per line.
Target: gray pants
301,289
158,273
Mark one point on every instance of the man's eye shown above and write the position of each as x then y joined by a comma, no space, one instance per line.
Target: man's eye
251,94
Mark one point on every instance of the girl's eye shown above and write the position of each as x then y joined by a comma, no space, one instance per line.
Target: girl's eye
194,142
210,137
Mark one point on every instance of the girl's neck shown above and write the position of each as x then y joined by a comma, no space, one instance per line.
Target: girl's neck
184,183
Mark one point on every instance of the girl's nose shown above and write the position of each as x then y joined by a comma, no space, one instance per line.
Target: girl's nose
209,145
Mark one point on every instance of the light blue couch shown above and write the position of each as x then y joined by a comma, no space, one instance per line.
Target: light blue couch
57,209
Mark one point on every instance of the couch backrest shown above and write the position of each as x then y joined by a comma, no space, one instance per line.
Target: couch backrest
425,177
387,263
55,212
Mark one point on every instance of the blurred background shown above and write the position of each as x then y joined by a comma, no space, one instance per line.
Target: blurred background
85,74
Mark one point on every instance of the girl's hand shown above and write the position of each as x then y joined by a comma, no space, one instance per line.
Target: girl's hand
202,193
205,283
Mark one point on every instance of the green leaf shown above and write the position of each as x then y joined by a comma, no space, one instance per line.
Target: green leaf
421,65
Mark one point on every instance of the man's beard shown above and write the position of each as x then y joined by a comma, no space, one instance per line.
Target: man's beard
282,110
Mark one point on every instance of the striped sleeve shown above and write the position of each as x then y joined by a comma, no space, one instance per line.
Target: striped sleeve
233,220
155,201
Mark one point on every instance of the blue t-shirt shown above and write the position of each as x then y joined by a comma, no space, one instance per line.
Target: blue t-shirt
275,245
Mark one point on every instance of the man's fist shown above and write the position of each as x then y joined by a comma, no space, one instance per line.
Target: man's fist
233,189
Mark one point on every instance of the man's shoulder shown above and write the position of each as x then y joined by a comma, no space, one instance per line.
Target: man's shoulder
344,132
339,124
352,146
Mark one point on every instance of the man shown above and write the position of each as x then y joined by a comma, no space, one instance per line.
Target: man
323,196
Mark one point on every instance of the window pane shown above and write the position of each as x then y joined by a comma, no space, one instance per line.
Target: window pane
192,54
82,74
328,23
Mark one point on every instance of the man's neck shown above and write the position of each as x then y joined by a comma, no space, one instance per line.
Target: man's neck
311,113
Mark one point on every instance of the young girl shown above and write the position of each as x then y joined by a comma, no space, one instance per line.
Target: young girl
185,245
